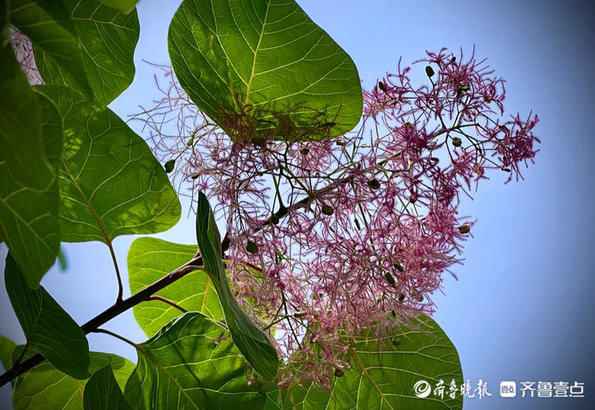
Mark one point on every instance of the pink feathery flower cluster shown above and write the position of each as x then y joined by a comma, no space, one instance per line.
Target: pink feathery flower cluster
329,238
23,50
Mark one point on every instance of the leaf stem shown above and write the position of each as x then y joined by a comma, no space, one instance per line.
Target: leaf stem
117,336
169,302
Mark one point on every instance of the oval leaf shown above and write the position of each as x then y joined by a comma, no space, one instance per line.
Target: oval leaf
48,328
6,348
150,259
265,69
110,182
80,44
383,373
103,393
44,387
29,219
249,338
20,120
125,6
191,364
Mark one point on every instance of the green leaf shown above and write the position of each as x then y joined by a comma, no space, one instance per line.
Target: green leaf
125,6
29,219
110,182
6,348
62,260
80,44
44,387
150,259
191,364
384,372
20,120
103,393
265,69
49,329
249,338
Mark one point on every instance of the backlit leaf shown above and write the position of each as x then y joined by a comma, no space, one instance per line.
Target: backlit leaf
125,6
6,348
29,219
150,259
191,363
80,44
44,387
383,374
249,338
110,182
48,328
20,120
265,69
103,393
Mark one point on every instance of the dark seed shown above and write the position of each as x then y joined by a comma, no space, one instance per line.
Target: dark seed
390,279
252,247
327,210
374,184
429,71
169,165
464,229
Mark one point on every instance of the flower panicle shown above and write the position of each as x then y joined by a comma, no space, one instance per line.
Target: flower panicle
333,237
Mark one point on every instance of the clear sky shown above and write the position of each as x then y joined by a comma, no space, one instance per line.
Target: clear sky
522,308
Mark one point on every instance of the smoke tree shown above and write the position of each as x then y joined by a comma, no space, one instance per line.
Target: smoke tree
326,215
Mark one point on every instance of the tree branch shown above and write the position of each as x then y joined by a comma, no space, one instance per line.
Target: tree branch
110,313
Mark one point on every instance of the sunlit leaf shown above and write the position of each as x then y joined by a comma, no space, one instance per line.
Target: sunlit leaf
110,182
20,120
249,338
6,348
383,373
150,259
80,44
103,393
191,364
265,69
29,219
125,6
44,387
48,328
62,260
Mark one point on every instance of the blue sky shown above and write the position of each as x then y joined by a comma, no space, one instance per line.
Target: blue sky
522,307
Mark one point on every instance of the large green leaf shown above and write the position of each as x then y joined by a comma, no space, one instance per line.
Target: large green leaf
384,372
150,259
110,182
6,348
49,329
20,120
249,338
125,6
44,387
29,219
103,393
264,68
191,364
81,44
